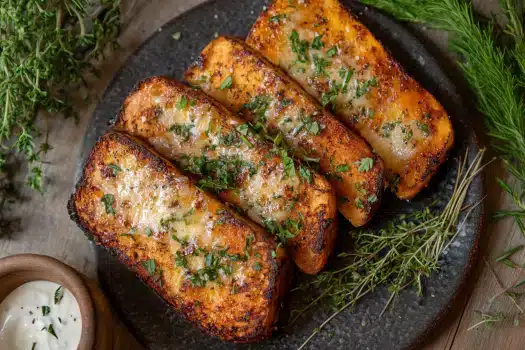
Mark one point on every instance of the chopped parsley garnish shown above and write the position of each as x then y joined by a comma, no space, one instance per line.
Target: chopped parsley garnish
305,174
115,168
365,164
341,168
150,266
329,96
312,126
226,83
332,52
182,103
218,174
372,199
320,64
243,129
285,102
59,295
257,266
345,74
388,127
148,231
108,200
276,18
181,260
45,310
258,105
285,231
317,43
407,134
359,203
300,47
289,166
182,130
425,130
214,262
364,87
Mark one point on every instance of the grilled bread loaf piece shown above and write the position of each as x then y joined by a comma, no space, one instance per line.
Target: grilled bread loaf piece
339,62
268,97
184,125
219,270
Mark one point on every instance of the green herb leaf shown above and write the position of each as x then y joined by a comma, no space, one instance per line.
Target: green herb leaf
277,18
227,83
108,200
148,231
259,105
116,169
332,52
149,265
299,47
182,103
320,64
341,168
305,174
425,130
59,295
257,266
372,199
50,330
364,87
365,164
45,310
182,130
317,43
288,163
176,35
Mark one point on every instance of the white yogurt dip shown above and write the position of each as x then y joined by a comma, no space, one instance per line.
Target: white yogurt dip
40,315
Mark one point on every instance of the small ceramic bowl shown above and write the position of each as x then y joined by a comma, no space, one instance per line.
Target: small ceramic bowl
16,270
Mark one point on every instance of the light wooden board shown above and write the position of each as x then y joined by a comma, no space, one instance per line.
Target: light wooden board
46,228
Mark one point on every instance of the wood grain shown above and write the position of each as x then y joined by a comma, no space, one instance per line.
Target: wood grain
47,229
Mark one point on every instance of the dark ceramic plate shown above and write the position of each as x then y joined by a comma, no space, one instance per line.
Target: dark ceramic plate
159,327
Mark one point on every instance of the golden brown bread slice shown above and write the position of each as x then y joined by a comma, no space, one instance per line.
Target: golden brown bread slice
339,62
219,270
204,138
266,96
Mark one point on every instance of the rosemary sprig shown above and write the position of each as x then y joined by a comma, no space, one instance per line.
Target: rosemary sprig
490,72
45,48
399,255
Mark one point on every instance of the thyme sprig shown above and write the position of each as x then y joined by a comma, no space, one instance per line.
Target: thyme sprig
398,256
45,48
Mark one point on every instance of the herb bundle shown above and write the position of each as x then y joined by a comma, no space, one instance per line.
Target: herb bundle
495,74
398,256
45,47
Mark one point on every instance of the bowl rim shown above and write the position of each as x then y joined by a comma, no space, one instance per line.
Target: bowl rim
53,270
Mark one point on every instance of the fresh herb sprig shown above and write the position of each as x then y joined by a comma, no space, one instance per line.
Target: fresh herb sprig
490,72
399,255
46,47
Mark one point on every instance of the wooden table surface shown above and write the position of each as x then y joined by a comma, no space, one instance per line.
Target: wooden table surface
46,228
